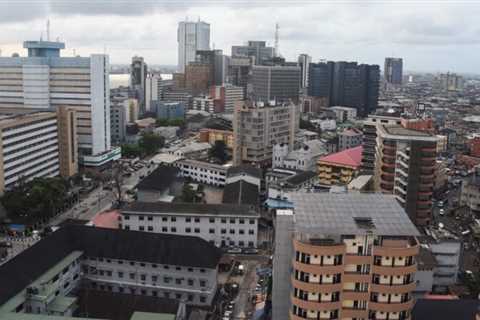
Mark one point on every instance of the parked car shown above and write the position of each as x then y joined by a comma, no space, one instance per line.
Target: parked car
234,250
250,251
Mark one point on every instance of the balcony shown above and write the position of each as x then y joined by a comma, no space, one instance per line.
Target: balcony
397,248
354,313
355,295
357,277
316,268
324,249
356,259
315,305
393,289
394,270
295,317
391,307
316,287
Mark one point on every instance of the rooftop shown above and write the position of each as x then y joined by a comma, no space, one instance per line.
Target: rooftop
241,193
31,264
460,309
350,157
244,170
343,214
190,208
401,131
160,179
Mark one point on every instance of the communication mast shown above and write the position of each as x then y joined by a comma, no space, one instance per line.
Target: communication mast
277,27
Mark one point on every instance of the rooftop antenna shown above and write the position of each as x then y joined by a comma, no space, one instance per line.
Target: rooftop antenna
48,30
277,27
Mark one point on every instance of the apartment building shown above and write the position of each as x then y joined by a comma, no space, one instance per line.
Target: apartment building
405,166
349,138
257,127
339,168
219,224
344,256
344,114
370,138
470,194
227,95
77,258
123,110
45,80
304,157
211,135
202,172
36,144
280,83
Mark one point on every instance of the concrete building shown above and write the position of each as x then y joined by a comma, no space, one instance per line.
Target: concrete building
257,50
123,110
470,194
153,87
344,114
405,166
258,127
339,168
198,78
138,79
349,138
343,256
239,71
168,110
279,83
81,258
202,172
204,104
304,61
370,138
393,71
227,95
191,36
451,82
303,158
219,224
45,80
245,173
30,146
212,135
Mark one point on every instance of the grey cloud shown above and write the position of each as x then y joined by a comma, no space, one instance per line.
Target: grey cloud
21,11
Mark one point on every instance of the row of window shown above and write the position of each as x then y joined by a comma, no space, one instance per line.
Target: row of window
189,219
195,230
143,264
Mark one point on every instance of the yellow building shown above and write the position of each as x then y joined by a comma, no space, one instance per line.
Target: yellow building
212,135
339,168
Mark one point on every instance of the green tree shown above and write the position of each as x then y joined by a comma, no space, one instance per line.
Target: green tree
219,151
150,143
188,194
131,150
472,282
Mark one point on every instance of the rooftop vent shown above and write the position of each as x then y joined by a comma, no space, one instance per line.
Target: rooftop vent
364,222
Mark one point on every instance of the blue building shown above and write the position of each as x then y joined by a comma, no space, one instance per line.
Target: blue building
168,110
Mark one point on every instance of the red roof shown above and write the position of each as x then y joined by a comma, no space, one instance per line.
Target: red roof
107,219
349,157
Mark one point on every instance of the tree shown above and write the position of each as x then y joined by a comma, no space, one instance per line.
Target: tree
188,194
472,282
219,151
131,150
307,125
150,143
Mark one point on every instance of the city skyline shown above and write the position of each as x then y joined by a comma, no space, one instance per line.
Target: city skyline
429,36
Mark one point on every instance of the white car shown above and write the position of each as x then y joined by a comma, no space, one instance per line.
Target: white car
442,212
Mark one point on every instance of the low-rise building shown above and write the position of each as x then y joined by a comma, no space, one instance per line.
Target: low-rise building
160,185
470,194
281,181
246,173
78,257
302,158
340,167
190,150
211,135
349,138
344,114
220,224
203,172
168,110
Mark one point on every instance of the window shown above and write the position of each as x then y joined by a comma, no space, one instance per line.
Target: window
203,283
190,282
251,231
232,231
132,263
120,274
190,269
203,299
241,221
166,267
197,219
120,262
190,297
154,265
150,218
202,270
164,219
251,221
164,229
223,231
143,292
141,218
211,220
141,228
232,220
120,289
223,220
154,278
178,268
188,230
143,277
178,295
188,219
178,281
241,231
197,230
211,231
173,219
126,227
132,275
166,279
142,264
109,273
166,295
126,217
173,229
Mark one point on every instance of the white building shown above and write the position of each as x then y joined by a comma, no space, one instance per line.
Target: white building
44,80
349,138
190,150
152,84
344,114
202,172
191,36
303,158
326,124
123,110
203,104
244,173
220,224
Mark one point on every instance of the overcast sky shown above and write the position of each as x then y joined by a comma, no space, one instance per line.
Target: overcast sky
429,35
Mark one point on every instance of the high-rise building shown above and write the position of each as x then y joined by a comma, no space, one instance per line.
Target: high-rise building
304,61
138,79
257,127
451,82
343,256
191,36
393,70
279,83
256,49
152,89
346,84
405,163
36,144
45,80
238,72
227,95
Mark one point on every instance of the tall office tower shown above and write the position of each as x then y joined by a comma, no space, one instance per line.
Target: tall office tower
393,70
370,138
191,36
227,95
238,72
138,78
221,67
152,88
279,83
257,127
344,256
304,61
45,80
256,49
405,166
320,80
346,84
36,144
451,82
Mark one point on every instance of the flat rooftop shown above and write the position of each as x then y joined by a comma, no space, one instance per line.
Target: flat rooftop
191,208
401,131
350,214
